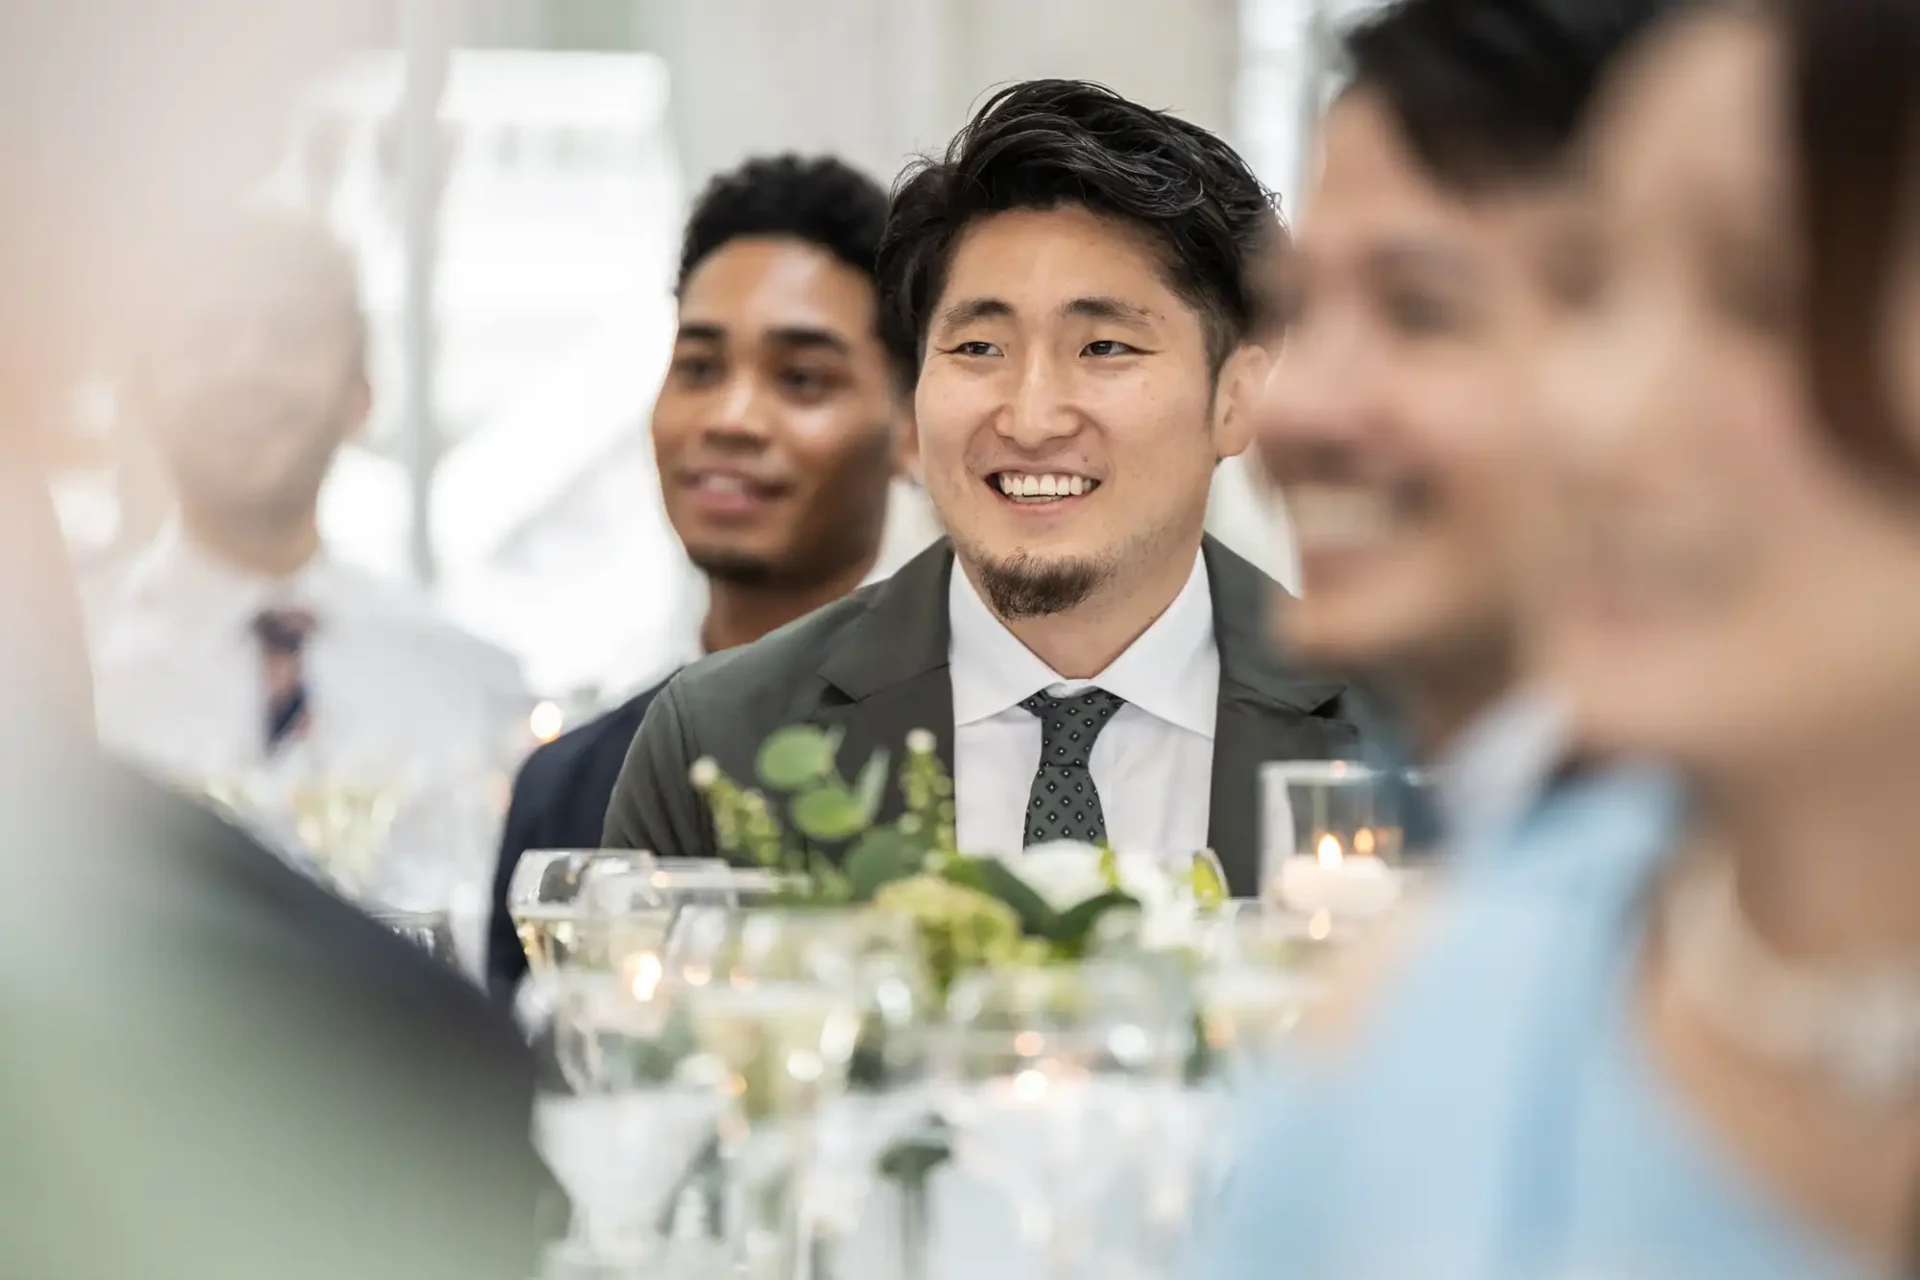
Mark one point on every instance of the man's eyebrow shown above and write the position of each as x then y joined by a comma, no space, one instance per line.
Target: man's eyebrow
808,336
701,333
969,310
1104,308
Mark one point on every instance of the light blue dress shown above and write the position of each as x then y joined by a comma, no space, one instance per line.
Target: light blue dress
1499,1117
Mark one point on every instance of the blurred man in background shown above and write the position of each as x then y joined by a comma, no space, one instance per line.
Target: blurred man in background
782,422
1072,278
235,647
1398,418
212,1066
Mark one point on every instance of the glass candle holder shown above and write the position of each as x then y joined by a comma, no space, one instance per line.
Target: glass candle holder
1332,837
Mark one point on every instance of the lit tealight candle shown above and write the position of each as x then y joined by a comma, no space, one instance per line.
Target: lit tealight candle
1330,881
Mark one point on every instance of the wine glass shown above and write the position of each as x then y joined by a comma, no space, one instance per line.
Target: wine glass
547,901
888,1095
776,997
625,1106
1057,1081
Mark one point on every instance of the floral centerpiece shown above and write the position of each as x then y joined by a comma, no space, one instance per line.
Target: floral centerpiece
1045,905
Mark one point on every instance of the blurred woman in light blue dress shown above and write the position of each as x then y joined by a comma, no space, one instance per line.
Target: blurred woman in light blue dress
1674,1029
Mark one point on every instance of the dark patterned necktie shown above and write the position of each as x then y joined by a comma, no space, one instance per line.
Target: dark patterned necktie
283,635
1063,804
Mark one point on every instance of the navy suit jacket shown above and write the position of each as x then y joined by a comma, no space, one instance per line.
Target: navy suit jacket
559,802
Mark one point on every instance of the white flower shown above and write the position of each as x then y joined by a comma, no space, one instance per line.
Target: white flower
920,742
1064,873
704,773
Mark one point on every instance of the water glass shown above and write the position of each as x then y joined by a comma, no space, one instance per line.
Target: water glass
626,1106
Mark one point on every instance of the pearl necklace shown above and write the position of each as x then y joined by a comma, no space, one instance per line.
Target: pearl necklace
1856,1026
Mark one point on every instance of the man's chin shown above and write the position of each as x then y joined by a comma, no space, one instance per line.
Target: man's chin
733,565
1024,584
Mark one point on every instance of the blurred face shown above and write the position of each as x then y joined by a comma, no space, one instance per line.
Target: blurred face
779,427
1398,420
1728,591
253,386
1068,424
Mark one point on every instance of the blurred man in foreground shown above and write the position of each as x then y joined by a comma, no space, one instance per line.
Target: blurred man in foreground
782,421
212,1067
236,646
1399,417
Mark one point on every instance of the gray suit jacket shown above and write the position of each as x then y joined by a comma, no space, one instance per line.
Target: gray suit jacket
875,665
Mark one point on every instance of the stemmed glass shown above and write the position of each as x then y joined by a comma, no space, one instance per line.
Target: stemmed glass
548,901
625,1103
1263,971
1057,1081
777,997
889,1090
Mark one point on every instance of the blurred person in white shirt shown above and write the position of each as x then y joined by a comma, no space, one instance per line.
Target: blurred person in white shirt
235,652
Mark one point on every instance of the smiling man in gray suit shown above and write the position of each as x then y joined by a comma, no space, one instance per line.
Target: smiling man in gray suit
1073,275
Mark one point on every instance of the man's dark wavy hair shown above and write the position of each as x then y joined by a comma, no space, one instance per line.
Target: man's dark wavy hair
823,201
1492,93
1047,143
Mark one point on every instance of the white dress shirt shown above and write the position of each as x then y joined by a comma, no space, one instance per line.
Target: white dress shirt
395,692
1153,762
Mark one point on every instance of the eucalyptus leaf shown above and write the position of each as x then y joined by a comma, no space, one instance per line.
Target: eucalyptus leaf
793,757
882,856
996,879
829,814
872,784
1072,928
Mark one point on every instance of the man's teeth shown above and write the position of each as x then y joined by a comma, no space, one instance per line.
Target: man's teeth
722,483
1056,486
1341,519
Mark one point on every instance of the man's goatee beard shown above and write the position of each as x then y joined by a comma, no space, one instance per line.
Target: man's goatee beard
1022,586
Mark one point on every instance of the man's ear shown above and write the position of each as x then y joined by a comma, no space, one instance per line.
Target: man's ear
1236,398
906,451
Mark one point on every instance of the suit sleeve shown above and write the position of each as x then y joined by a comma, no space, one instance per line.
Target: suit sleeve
654,805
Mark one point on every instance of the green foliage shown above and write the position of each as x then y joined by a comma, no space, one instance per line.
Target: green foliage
796,757
828,814
968,912
880,857
1208,889
1073,928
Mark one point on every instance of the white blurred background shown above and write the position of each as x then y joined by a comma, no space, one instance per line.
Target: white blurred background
522,314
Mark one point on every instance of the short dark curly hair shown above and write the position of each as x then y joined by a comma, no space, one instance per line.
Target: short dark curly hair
1491,93
1046,143
821,200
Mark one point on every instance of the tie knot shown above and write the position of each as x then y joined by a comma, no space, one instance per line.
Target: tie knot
283,630
1069,725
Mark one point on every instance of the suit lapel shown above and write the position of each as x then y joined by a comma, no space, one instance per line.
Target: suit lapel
1267,712
888,675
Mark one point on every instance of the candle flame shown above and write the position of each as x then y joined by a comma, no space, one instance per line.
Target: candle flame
1328,851
645,976
1363,841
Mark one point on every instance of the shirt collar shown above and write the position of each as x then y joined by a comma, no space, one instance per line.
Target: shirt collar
1172,671
183,578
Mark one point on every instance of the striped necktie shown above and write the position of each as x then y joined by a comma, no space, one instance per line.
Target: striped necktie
283,635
